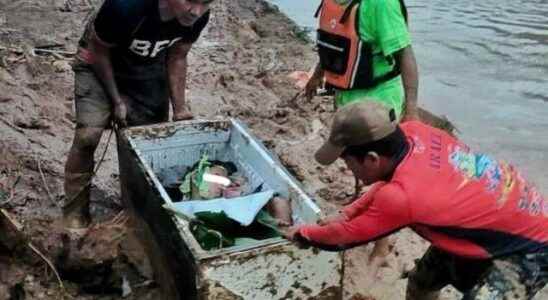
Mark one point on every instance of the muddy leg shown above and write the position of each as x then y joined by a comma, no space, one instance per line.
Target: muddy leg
78,172
430,275
378,255
381,249
414,292
512,278
420,285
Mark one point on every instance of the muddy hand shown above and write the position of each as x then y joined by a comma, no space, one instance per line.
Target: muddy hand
292,233
378,257
289,232
282,223
410,115
312,86
182,115
120,114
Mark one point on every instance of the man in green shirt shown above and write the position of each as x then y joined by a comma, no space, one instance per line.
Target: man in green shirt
382,24
347,27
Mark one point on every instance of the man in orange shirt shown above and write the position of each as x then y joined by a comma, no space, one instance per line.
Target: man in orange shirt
488,227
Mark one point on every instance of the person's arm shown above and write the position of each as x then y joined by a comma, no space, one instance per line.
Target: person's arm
314,82
102,67
361,204
111,28
362,229
177,66
392,36
387,213
410,79
177,73
356,207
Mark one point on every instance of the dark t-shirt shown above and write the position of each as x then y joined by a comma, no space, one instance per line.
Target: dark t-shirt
140,38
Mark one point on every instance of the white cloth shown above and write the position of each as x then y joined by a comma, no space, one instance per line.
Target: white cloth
241,209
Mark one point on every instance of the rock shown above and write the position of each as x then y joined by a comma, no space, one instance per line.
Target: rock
317,126
4,99
247,31
6,77
29,281
96,250
61,66
267,82
11,236
31,123
359,296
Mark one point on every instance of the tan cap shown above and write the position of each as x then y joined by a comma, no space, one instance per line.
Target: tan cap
357,124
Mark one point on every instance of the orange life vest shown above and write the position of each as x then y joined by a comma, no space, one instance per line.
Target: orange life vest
347,61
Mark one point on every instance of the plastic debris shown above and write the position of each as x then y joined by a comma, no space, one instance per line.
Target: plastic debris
126,288
241,209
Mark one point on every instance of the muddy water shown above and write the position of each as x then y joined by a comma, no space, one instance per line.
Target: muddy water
484,64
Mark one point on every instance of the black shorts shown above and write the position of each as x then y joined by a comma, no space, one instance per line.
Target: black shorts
518,276
148,99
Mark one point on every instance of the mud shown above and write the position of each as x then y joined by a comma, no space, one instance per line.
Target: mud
239,68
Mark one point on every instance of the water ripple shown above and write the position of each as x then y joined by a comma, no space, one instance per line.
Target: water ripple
508,39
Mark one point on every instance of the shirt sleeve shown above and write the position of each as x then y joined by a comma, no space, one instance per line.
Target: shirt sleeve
388,212
115,22
361,204
196,30
391,31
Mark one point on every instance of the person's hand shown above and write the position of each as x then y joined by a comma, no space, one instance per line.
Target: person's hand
312,85
378,258
120,113
289,232
410,115
292,233
182,115
334,218
381,250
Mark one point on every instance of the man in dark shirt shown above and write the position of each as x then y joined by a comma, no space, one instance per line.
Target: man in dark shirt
131,63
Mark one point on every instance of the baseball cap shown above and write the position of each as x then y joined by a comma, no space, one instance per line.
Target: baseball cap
357,124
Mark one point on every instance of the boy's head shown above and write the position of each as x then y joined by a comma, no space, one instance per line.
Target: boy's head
366,135
188,11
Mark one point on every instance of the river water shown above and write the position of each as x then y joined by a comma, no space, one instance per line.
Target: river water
483,64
